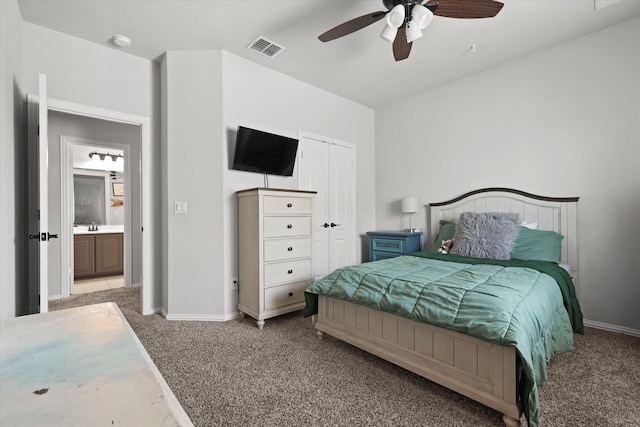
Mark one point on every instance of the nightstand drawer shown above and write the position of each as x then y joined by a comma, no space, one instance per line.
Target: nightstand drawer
287,271
287,205
281,249
280,296
282,226
388,245
377,256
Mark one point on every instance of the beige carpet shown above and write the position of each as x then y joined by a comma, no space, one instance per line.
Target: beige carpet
232,374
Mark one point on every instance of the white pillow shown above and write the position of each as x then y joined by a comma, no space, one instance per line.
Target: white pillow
531,225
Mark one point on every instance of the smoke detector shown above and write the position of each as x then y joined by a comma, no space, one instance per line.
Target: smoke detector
121,41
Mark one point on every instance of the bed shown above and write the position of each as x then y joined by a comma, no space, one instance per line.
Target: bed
445,316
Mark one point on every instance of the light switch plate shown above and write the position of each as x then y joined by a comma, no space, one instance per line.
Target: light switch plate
180,207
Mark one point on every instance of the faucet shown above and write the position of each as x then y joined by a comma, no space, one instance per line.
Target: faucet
93,227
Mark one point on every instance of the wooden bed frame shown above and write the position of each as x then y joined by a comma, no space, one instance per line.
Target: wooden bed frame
480,370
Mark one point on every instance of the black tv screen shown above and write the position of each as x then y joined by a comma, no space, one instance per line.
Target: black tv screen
263,152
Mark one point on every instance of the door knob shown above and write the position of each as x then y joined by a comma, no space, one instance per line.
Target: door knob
325,225
334,225
34,236
51,236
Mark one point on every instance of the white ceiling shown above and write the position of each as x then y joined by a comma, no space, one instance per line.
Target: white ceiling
359,66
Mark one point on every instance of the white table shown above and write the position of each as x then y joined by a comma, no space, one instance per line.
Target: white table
81,367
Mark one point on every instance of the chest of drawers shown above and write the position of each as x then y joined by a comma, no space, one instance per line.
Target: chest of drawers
275,251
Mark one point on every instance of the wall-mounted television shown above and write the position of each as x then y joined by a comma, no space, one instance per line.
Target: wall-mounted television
263,152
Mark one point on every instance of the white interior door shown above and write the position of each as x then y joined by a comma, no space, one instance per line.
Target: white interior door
38,158
341,211
313,160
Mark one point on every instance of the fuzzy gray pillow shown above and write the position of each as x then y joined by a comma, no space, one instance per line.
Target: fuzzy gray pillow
486,235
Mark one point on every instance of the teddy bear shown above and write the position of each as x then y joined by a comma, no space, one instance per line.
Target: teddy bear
445,246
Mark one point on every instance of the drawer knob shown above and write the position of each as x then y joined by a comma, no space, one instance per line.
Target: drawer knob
289,225
290,294
290,272
289,205
289,248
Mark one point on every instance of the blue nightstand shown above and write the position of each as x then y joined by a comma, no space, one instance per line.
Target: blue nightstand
389,244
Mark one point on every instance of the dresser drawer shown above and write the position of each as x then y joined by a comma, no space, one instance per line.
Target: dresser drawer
287,271
280,296
286,205
276,226
276,250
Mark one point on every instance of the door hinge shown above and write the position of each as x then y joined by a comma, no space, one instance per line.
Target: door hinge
38,130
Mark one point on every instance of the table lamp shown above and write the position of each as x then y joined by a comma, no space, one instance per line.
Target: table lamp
409,205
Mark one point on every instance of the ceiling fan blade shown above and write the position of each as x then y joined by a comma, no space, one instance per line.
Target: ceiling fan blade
468,9
401,48
351,26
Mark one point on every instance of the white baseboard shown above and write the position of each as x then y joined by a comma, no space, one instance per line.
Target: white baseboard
612,328
200,317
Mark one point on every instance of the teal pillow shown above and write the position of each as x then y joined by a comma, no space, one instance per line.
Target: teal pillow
446,232
540,245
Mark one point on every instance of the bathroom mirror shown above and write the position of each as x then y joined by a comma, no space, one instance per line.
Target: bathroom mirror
89,199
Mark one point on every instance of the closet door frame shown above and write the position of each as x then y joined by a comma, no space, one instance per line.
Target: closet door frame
349,228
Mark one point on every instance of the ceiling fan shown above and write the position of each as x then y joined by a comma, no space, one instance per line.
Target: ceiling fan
407,18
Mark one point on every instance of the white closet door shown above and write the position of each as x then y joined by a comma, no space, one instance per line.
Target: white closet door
341,229
313,175
329,169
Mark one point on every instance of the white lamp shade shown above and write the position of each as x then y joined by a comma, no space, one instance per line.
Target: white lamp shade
413,32
409,205
420,18
389,33
395,19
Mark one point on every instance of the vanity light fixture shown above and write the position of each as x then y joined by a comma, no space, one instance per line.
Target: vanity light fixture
103,156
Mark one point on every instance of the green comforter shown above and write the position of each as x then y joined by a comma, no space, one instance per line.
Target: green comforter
529,305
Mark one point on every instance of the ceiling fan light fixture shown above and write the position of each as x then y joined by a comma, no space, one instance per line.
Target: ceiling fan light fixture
395,19
421,17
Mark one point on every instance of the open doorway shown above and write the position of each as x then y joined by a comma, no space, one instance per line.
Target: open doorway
139,218
95,197
100,205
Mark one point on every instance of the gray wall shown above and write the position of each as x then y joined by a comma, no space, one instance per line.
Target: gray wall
208,94
562,122
261,98
63,124
89,74
193,147
13,234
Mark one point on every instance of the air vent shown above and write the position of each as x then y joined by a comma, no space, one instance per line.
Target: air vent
265,47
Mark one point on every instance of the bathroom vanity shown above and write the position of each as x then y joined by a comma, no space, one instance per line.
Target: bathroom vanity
97,253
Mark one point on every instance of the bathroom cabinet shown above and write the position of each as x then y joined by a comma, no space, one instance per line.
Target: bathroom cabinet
97,255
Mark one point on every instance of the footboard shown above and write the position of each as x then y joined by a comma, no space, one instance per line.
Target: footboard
480,370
